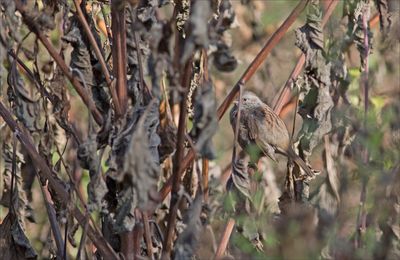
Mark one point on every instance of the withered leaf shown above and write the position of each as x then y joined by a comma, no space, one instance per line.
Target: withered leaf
167,132
141,161
84,62
205,120
13,242
139,168
239,179
200,12
97,189
356,12
187,241
223,19
327,197
226,16
385,17
18,196
316,105
223,58
28,173
26,108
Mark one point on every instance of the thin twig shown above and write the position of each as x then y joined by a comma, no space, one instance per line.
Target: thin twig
31,77
46,173
147,235
13,174
64,255
225,239
43,91
32,25
76,188
362,216
138,232
100,57
205,171
261,56
51,213
83,238
50,210
177,168
285,92
237,125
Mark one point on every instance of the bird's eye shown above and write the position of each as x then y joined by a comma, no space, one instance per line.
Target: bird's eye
244,99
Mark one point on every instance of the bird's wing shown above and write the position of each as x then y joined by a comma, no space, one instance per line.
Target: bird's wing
252,127
254,134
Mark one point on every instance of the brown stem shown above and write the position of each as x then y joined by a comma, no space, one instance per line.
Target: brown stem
285,94
261,56
205,170
32,25
225,239
83,239
31,77
177,167
46,173
53,221
43,91
361,218
237,125
147,235
118,27
128,243
99,55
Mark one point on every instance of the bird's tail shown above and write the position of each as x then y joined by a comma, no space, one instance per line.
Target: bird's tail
300,162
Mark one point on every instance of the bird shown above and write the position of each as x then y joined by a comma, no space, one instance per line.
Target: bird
260,126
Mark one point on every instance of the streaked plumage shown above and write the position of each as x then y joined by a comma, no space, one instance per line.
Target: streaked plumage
259,125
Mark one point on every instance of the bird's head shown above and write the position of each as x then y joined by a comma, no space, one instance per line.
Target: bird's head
249,100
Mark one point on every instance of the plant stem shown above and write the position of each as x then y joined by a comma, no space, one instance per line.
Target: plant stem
204,171
100,57
362,215
261,56
225,239
118,27
147,235
177,167
83,93
46,173
284,95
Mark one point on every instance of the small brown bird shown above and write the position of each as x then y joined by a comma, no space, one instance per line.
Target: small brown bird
259,125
